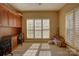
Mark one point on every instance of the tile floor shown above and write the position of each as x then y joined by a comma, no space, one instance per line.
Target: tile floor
45,53
40,49
35,46
30,53
45,46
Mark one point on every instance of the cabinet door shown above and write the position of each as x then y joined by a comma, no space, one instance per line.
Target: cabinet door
0,19
19,21
15,21
14,42
11,19
0,16
4,18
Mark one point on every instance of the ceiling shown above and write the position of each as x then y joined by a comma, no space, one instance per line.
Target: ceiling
37,6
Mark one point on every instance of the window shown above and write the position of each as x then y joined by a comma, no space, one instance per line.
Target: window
72,28
30,28
37,28
69,28
76,26
45,28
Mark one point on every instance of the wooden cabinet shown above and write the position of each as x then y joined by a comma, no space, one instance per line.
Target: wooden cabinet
14,42
0,20
18,21
0,16
14,20
3,17
11,19
9,23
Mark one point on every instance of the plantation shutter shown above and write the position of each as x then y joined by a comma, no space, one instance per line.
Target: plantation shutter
69,28
30,28
77,28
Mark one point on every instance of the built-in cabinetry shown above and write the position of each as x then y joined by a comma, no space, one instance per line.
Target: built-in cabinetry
14,20
10,21
3,16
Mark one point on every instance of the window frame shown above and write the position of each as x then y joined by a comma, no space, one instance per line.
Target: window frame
41,29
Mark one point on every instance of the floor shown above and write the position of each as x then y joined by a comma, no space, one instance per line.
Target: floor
41,49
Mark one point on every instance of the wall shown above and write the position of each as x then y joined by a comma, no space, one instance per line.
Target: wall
52,15
62,12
